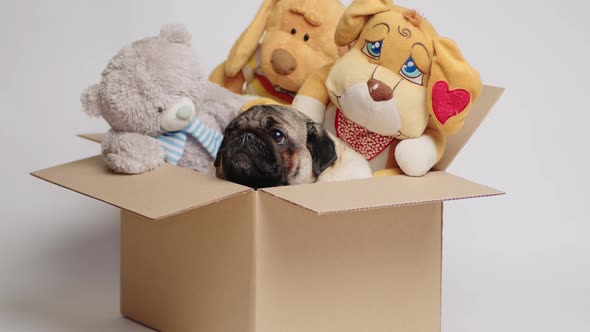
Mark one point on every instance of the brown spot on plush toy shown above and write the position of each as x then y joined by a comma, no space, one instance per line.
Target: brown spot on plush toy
298,40
398,92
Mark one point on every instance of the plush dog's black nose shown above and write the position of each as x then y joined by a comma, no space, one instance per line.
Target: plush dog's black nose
247,137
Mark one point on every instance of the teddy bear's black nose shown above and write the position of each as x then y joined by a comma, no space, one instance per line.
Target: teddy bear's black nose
379,91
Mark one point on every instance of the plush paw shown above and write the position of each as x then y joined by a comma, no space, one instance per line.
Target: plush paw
416,156
311,107
257,102
131,153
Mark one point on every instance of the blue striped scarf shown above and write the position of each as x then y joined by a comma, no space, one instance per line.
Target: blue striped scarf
174,142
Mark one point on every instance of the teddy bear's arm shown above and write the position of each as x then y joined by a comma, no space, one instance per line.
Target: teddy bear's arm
313,96
416,156
131,153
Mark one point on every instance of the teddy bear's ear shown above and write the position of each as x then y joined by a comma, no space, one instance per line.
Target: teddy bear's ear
89,100
176,33
453,86
354,18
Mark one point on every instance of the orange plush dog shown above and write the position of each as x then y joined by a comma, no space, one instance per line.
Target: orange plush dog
399,91
298,39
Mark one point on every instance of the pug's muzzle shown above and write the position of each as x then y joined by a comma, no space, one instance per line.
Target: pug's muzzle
250,159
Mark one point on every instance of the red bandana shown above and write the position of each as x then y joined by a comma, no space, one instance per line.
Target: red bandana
270,88
363,141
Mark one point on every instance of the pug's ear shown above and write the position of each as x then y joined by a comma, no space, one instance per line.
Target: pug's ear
89,100
321,147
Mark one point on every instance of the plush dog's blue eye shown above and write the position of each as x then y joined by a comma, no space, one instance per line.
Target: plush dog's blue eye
411,72
373,49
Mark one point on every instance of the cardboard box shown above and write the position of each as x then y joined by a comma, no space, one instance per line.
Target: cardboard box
202,254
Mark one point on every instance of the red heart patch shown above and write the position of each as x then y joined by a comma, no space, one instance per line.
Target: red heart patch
445,103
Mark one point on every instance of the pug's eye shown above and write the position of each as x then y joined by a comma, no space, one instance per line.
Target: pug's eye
293,31
278,136
411,72
373,49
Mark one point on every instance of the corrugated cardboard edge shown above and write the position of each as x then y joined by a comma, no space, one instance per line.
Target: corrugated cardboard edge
214,201
46,175
385,206
481,108
94,137
261,191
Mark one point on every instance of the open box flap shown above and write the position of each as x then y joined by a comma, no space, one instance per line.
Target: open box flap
480,109
380,192
97,137
158,194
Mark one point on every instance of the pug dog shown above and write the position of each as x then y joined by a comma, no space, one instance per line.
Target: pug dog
273,145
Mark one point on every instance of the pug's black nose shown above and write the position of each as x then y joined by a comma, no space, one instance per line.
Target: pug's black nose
247,137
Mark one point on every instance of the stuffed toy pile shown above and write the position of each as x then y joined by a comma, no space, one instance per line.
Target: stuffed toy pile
298,40
397,94
160,106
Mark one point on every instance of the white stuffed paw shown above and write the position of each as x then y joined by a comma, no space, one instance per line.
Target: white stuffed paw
416,156
310,107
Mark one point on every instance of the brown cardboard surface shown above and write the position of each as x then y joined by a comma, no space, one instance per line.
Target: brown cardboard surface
97,137
256,263
488,98
348,256
193,272
166,191
376,270
378,192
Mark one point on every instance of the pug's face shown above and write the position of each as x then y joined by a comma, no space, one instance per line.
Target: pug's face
272,145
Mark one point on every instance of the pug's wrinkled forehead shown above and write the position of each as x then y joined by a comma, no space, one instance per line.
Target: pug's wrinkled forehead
273,116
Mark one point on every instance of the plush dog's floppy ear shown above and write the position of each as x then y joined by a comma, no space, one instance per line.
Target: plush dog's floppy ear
354,18
247,43
452,88
321,146
89,100
176,33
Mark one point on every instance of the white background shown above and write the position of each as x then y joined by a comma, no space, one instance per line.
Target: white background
516,263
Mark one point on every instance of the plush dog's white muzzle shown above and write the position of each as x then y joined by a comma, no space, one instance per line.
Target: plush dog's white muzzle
179,115
381,117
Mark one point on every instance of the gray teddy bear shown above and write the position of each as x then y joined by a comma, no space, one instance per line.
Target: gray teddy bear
160,106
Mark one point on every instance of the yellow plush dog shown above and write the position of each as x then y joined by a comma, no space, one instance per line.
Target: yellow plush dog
298,39
399,91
